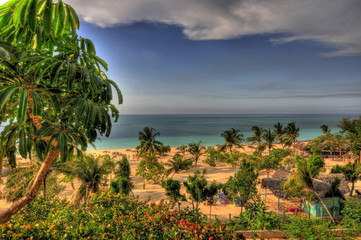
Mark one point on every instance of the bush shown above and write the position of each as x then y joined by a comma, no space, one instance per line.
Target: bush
352,214
109,216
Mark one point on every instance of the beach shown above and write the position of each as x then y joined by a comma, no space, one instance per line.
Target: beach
156,193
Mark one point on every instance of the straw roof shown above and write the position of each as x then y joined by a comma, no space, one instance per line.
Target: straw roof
274,185
281,173
328,178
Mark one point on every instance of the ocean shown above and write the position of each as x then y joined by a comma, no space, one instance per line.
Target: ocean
176,130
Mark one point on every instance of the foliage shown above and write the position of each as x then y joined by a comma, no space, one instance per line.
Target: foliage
351,171
256,217
111,216
122,185
235,158
268,139
243,184
256,137
178,164
273,160
123,168
195,149
151,169
172,190
305,228
148,145
91,172
213,156
232,138
352,214
300,184
352,128
291,132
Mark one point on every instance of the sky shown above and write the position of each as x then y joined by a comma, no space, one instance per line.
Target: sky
229,56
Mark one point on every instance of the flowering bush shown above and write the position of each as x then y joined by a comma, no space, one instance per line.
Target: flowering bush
110,216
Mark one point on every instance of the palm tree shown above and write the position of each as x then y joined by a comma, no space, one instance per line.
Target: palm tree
148,144
92,173
178,164
325,129
301,182
232,138
292,132
268,138
257,136
279,131
196,151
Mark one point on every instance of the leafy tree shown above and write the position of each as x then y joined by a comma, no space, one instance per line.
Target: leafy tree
317,145
268,139
352,128
148,145
292,132
351,171
164,149
243,184
172,190
210,193
53,90
214,155
273,160
256,137
195,149
122,185
195,187
123,168
232,138
178,164
151,169
235,158
92,173
300,183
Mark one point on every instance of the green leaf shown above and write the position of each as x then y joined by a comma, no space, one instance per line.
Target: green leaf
60,21
55,71
63,146
22,143
120,96
6,95
23,106
37,106
47,19
20,13
55,103
31,13
4,54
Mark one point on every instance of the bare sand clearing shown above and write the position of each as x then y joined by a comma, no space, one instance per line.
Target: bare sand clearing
220,174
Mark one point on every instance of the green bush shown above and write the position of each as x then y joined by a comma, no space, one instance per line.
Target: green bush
352,214
109,216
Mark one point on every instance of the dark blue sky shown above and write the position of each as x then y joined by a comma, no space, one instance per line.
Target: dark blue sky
159,70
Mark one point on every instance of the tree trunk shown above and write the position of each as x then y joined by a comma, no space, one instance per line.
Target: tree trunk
210,212
32,192
44,185
352,188
333,220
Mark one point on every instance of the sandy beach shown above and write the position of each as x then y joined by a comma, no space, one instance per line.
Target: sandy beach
220,174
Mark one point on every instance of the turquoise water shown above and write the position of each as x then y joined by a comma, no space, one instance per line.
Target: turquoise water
176,130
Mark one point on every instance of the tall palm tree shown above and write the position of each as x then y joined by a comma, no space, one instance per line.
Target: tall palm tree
352,172
256,137
148,144
292,132
232,138
196,151
92,173
268,138
178,164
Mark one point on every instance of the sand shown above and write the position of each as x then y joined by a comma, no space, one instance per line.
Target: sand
220,174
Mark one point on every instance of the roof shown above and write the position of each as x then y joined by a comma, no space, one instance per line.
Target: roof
274,185
281,173
328,178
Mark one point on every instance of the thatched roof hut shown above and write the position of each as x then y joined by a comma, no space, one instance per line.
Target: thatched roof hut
328,178
274,185
281,173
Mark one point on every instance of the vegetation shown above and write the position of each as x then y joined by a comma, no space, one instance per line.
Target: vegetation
256,137
269,139
273,161
232,138
292,132
351,171
150,168
195,149
178,164
172,190
53,90
148,145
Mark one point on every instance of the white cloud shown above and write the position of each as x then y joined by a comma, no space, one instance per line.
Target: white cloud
335,23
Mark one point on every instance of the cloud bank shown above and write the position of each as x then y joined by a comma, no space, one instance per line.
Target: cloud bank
334,23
